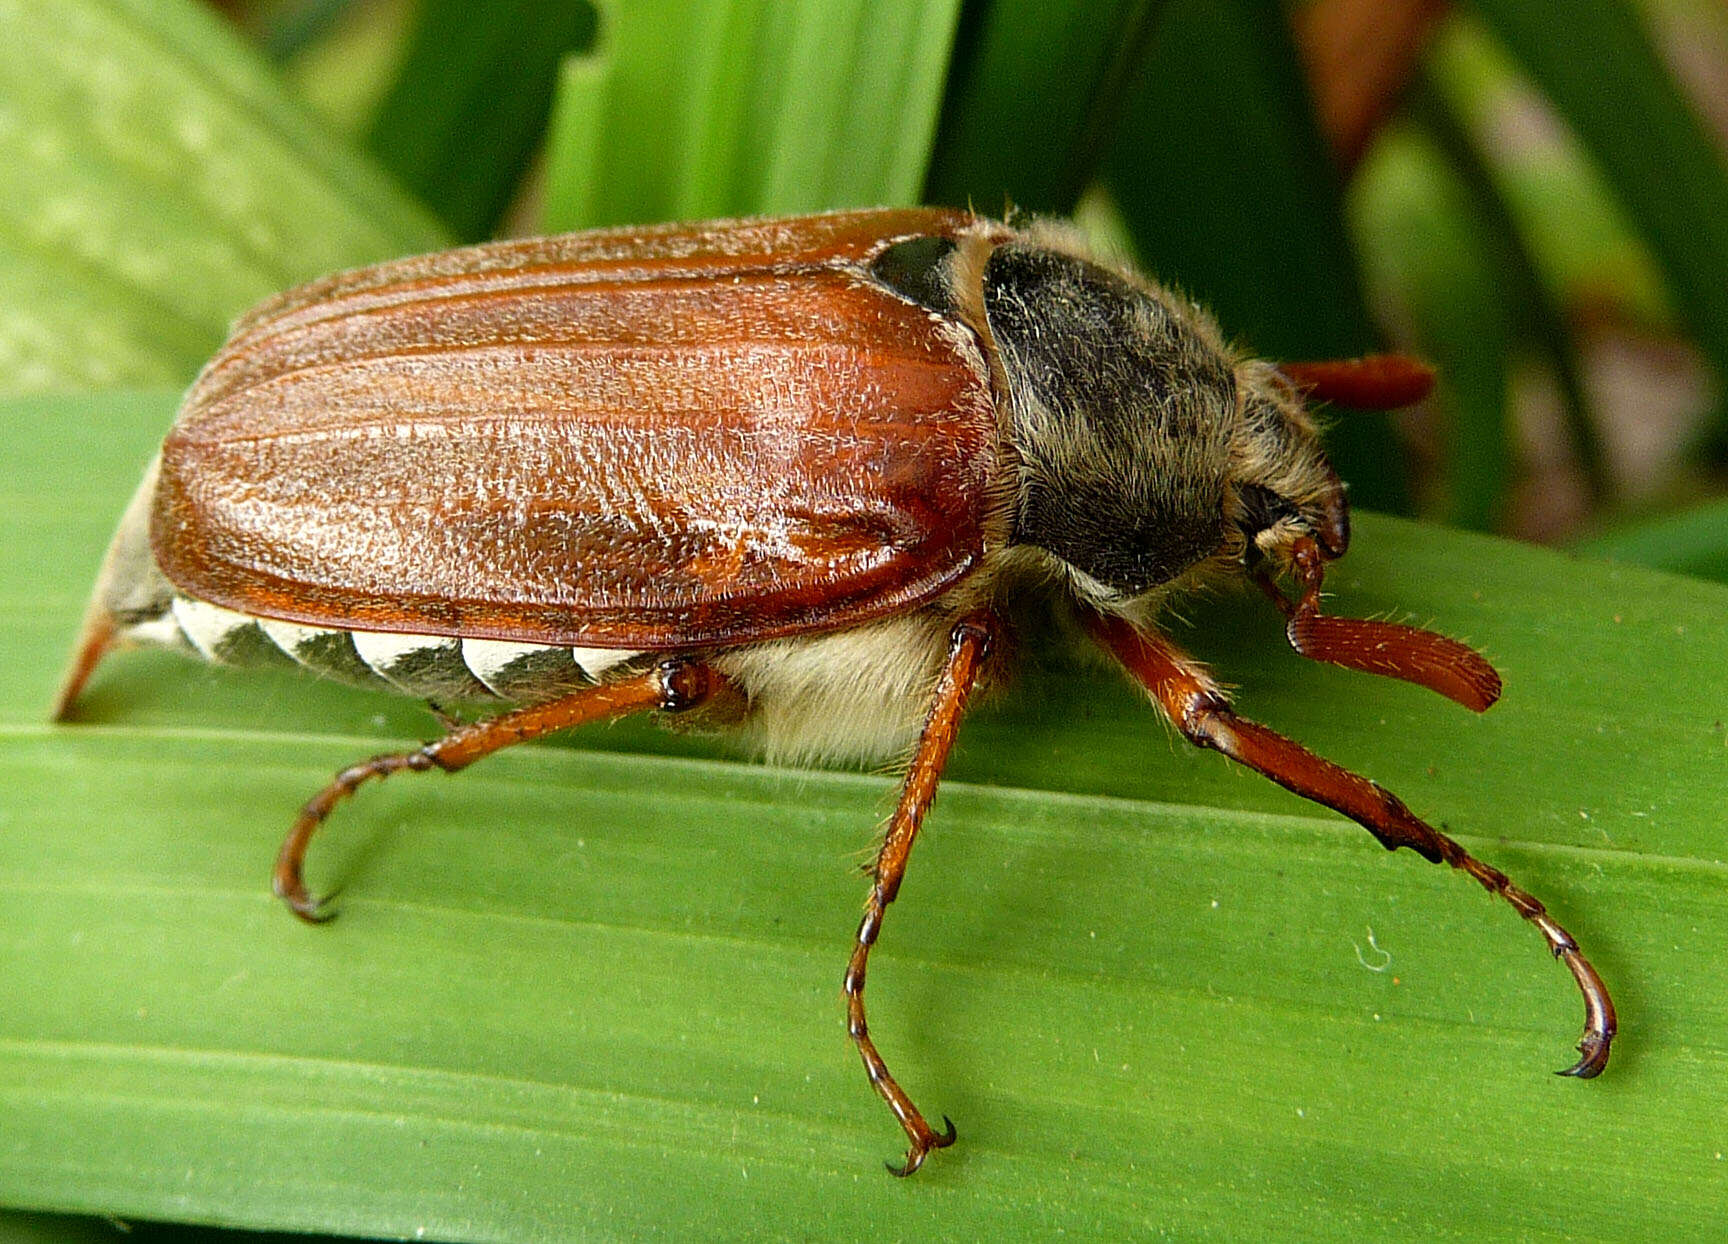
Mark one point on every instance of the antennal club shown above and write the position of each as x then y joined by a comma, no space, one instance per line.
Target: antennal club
1389,649
1372,382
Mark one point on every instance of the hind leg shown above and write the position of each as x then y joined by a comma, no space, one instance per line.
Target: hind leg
672,686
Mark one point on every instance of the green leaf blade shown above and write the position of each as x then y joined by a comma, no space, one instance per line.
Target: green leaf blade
104,106
1034,98
462,1064
589,990
469,106
1692,542
1421,237
777,110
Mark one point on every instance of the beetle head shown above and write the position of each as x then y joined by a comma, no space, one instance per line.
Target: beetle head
1294,519
1147,451
1286,491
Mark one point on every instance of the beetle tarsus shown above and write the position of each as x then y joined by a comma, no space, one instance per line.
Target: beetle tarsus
1196,706
288,880
312,908
922,1144
1600,1022
1592,1057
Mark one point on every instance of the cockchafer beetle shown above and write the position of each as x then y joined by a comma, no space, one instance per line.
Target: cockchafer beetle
786,476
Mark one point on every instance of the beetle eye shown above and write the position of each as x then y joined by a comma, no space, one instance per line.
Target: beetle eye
1263,508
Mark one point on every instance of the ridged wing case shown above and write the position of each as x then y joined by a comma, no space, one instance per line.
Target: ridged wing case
649,438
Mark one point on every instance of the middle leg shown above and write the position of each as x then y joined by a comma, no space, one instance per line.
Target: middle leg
968,646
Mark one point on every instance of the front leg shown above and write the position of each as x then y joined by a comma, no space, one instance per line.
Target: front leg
967,648
1195,705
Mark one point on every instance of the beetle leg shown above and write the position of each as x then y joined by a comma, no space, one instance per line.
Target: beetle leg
443,716
671,686
967,648
1196,706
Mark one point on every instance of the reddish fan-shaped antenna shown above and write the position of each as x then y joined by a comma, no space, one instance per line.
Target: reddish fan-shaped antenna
1372,382
1389,649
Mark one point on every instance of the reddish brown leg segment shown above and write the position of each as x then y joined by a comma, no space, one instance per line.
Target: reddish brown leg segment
1193,702
671,686
967,648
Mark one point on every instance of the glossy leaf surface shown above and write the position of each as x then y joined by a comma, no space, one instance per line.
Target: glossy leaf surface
589,989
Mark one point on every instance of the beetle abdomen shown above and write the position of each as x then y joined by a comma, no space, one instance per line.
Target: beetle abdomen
851,695
136,605
429,667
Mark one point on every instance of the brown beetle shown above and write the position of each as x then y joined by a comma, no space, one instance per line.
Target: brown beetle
789,476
